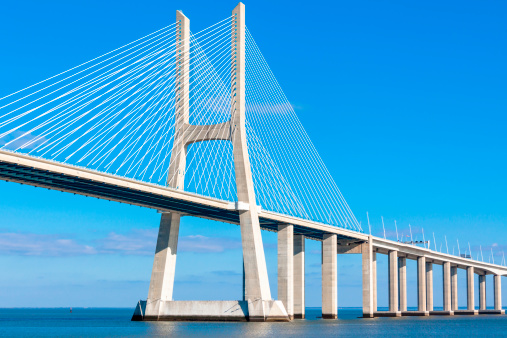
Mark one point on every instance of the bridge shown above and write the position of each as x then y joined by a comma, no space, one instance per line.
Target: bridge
197,125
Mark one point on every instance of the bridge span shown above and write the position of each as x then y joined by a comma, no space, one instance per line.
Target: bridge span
177,109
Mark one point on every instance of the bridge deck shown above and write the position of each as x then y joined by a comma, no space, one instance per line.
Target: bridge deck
38,172
52,175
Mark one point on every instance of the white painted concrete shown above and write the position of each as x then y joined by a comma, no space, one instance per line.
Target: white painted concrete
421,283
286,267
368,287
299,276
429,286
447,286
329,277
482,292
393,280
402,277
497,280
470,288
164,263
454,288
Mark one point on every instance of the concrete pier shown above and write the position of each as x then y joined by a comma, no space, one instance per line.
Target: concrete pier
393,281
374,275
368,280
286,267
497,284
447,286
299,276
402,280
329,277
482,292
454,288
421,284
470,289
429,286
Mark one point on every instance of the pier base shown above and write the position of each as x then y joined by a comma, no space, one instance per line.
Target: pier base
233,310
415,313
466,312
441,313
387,314
491,312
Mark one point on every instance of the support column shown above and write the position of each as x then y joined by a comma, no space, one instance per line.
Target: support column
447,286
299,276
329,277
374,275
497,280
454,288
402,278
286,267
368,278
393,281
164,264
429,286
482,292
470,288
421,283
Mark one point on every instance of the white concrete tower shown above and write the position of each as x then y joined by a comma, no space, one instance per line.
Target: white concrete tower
164,264
256,285
256,274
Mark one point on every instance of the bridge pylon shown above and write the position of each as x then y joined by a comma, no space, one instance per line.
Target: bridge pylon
257,304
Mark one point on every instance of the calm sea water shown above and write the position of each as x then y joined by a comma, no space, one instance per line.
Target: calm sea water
116,323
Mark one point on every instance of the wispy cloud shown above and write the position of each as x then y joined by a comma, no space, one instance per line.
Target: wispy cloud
27,244
17,139
140,242
198,243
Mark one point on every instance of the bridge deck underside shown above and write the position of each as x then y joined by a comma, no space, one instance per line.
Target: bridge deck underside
61,182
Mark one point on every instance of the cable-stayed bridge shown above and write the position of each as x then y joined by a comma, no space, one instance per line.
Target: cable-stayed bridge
196,124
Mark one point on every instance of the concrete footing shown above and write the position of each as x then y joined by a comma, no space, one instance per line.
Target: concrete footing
491,312
233,310
388,314
415,313
441,313
466,312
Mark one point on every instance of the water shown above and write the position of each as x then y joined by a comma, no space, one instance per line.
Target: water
116,323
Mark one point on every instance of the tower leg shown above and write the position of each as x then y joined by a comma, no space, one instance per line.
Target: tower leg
164,264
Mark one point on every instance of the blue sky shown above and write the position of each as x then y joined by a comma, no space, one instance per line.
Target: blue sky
405,102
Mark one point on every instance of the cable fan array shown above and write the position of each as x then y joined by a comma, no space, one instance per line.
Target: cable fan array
116,114
300,184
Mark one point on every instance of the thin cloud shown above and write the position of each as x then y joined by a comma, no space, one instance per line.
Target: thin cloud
139,242
27,244
28,141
